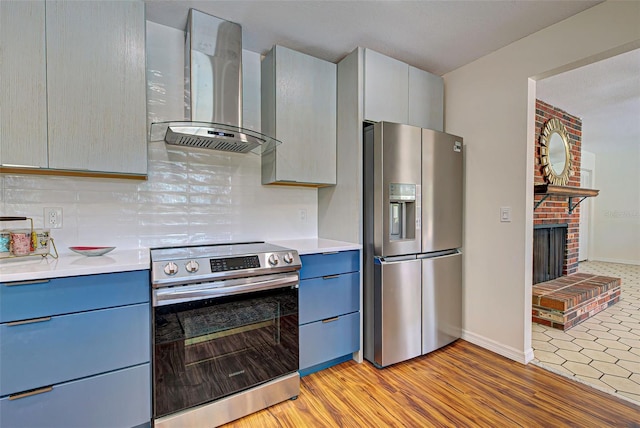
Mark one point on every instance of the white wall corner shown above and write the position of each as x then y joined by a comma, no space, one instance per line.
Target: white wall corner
501,83
499,348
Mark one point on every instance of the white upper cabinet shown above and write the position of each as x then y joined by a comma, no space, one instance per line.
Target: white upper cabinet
426,100
23,93
386,88
397,92
77,86
299,94
96,86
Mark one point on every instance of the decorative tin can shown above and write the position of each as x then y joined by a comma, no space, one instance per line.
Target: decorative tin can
20,243
5,238
42,241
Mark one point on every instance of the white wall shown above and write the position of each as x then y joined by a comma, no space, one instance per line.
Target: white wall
588,162
490,103
191,195
587,165
616,209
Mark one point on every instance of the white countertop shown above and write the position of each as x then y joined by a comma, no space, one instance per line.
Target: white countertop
317,245
71,264
123,260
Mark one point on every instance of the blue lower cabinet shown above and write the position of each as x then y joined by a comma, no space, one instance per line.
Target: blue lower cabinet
116,399
57,349
317,265
329,339
329,309
75,352
33,299
325,297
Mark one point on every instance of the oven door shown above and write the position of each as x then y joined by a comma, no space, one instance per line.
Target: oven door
213,340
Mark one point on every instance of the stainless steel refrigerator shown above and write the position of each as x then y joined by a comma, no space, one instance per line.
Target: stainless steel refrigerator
412,238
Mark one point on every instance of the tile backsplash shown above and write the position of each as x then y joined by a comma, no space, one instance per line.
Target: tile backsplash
191,196
188,198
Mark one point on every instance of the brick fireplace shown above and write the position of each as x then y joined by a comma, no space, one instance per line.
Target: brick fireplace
554,210
549,245
562,298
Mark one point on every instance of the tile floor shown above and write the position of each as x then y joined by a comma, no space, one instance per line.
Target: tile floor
603,351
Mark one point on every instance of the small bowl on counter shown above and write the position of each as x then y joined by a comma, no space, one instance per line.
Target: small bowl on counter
92,251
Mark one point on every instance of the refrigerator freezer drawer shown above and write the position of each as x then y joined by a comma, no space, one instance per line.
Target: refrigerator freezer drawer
397,311
441,301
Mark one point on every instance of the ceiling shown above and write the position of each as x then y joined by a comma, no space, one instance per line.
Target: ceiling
436,36
606,96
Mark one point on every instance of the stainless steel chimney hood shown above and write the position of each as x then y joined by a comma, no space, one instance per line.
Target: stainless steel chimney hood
213,91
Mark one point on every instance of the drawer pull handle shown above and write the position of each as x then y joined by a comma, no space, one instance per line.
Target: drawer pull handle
328,253
330,276
30,393
31,321
330,319
37,281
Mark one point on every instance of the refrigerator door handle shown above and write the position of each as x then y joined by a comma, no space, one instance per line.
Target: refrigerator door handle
438,254
419,211
394,259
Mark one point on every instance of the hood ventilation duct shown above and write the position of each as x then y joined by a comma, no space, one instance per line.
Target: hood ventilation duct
213,91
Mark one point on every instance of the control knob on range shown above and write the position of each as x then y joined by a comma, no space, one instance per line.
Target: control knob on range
192,266
171,268
288,258
273,259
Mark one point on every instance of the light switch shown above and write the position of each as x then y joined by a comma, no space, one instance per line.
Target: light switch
505,214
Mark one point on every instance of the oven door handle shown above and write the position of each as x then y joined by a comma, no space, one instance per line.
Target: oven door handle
211,290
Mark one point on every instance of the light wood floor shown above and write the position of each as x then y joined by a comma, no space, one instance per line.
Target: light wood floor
461,385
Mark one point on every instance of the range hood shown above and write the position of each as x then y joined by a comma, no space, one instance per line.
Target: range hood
213,91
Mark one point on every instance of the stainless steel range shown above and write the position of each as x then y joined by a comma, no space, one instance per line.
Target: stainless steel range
225,327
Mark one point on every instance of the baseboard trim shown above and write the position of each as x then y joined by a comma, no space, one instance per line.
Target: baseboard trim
500,349
623,262
325,365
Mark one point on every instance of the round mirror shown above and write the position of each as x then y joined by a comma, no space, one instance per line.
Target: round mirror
555,155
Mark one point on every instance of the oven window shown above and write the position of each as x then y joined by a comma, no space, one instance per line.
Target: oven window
212,348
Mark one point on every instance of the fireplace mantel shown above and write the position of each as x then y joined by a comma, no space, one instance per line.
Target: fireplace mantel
569,192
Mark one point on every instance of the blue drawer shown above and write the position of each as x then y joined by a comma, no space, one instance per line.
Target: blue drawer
117,399
72,346
324,341
326,297
315,265
24,300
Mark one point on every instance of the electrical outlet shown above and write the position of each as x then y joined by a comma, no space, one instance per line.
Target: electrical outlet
303,214
53,218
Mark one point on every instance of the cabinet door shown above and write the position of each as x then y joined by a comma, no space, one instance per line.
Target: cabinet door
23,300
386,88
332,263
23,116
323,341
96,86
426,99
299,109
117,399
330,296
46,351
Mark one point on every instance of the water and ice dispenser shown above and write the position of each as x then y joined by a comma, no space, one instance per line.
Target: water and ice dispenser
403,210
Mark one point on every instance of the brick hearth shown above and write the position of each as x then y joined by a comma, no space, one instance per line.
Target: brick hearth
565,302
